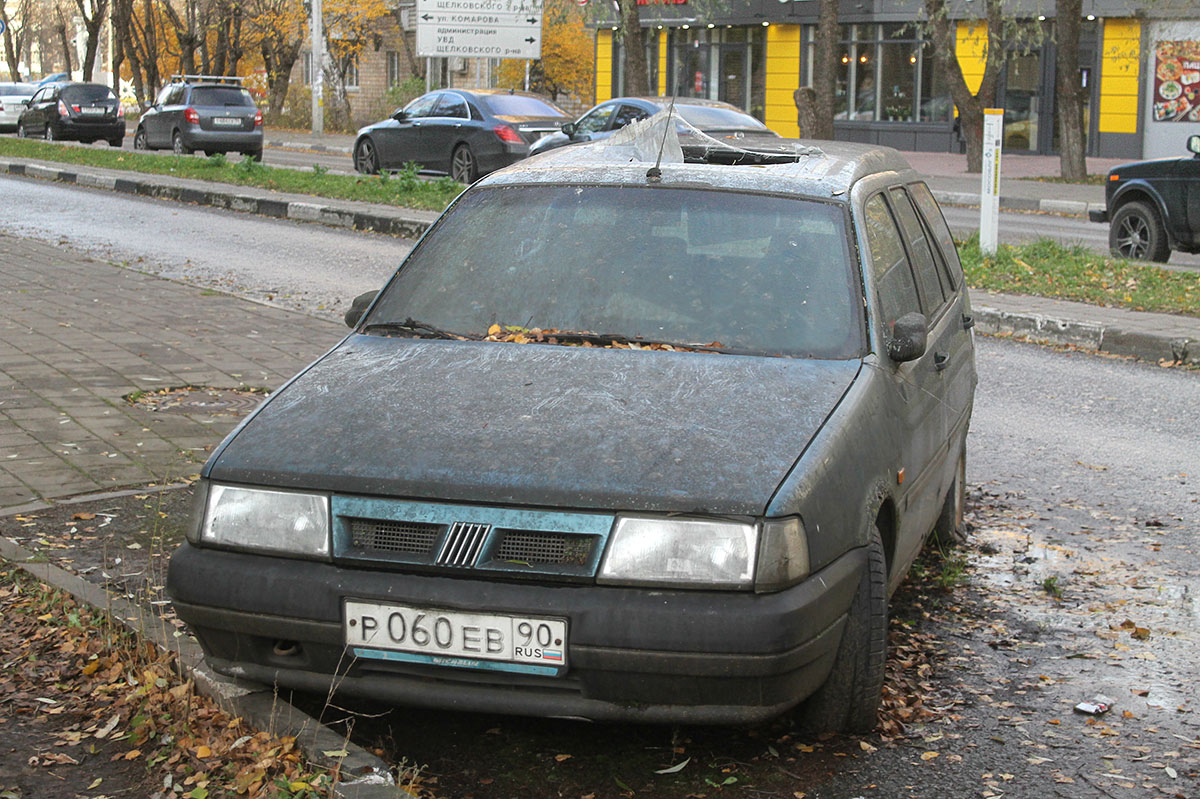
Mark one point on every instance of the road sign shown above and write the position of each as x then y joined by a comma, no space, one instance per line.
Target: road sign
2,25
479,28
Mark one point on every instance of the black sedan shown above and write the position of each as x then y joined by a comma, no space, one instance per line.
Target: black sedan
85,112
465,134
1153,207
722,121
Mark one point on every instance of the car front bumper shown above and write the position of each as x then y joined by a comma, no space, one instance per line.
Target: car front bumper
654,655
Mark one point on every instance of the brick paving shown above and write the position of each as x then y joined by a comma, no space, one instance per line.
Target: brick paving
79,335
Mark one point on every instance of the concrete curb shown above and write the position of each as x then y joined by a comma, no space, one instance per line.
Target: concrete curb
316,148
1060,207
1087,336
366,776
323,212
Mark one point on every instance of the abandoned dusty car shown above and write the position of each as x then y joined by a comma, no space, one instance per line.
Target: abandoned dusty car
618,440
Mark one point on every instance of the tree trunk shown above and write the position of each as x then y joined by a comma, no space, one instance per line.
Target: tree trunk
806,112
12,49
1071,140
92,24
637,84
824,77
279,58
64,42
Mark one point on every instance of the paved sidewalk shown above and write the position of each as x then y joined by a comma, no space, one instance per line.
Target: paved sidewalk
79,335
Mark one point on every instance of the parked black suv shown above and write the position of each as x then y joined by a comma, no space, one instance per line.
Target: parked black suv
1153,206
202,112
85,112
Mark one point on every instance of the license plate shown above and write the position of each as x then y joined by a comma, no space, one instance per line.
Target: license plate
227,122
93,112
520,644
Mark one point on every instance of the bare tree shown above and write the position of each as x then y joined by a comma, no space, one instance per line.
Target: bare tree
64,38
1071,140
16,32
637,81
93,15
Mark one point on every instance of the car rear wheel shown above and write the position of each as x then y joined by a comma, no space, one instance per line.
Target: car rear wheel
139,140
255,154
21,132
1137,233
849,699
366,158
462,165
177,145
949,530
116,142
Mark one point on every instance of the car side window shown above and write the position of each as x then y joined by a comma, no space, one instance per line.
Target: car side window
422,106
932,214
451,105
175,97
597,119
163,95
38,96
928,280
627,114
894,284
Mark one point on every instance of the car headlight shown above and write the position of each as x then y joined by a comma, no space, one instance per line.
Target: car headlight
783,555
257,518
680,552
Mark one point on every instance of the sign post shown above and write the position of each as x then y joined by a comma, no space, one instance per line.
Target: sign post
479,28
989,194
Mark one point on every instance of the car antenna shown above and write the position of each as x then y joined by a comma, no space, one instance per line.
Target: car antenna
654,174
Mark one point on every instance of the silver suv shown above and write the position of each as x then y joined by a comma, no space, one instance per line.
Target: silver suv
214,114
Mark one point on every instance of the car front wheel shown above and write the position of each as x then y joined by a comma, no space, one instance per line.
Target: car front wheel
849,699
21,132
462,165
1136,233
366,158
48,133
139,140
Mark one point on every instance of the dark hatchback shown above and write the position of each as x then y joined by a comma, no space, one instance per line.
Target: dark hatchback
1153,207
85,112
660,450
207,113
465,134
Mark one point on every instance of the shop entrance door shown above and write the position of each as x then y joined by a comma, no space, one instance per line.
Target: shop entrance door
1019,97
734,76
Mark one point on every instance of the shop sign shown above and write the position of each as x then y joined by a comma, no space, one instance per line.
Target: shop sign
1177,82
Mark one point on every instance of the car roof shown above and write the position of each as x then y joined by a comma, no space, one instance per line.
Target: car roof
665,102
822,169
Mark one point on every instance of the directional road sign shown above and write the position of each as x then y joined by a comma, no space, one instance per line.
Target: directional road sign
479,28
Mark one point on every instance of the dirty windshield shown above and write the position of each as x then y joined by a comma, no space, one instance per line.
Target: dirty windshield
729,270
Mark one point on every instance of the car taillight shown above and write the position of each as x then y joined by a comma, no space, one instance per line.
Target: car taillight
258,118
62,109
506,133
191,115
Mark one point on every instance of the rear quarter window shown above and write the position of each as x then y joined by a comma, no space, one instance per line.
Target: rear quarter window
894,284
932,214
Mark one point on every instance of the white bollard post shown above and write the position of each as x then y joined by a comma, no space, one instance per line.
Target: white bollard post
989,194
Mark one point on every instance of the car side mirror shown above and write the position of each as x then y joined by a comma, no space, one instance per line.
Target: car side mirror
1193,145
358,307
399,115
569,128
909,338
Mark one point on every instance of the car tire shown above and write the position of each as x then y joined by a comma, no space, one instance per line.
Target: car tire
139,140
463,166
116,142
1136,233
849,700
949,530
177,145
255,154
366,157
48,133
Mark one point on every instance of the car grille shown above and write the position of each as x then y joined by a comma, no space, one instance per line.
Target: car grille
432,537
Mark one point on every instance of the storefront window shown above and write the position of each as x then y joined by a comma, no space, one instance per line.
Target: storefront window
721,64
866,89
934,103
898,57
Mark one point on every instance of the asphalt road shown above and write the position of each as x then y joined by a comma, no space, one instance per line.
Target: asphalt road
1080,578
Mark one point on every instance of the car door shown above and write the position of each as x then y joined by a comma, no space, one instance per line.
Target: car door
398,141
626,114
447,124
30,117
158,124
916,386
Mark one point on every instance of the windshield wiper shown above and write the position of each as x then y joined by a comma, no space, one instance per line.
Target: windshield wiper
420,329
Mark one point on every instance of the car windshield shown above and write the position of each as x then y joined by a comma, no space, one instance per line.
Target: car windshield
517,105
715,118
87,93
740,271
221,95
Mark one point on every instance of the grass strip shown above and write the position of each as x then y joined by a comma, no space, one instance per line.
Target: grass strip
402,188
1046,268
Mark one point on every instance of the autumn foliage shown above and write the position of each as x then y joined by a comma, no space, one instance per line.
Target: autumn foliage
568,55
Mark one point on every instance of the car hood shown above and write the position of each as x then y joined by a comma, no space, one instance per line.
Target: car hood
538,425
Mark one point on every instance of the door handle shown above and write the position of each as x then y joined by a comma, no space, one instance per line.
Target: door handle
968,321
940,360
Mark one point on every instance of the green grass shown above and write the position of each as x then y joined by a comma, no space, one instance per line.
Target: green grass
401,188
1048,269
1089,180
